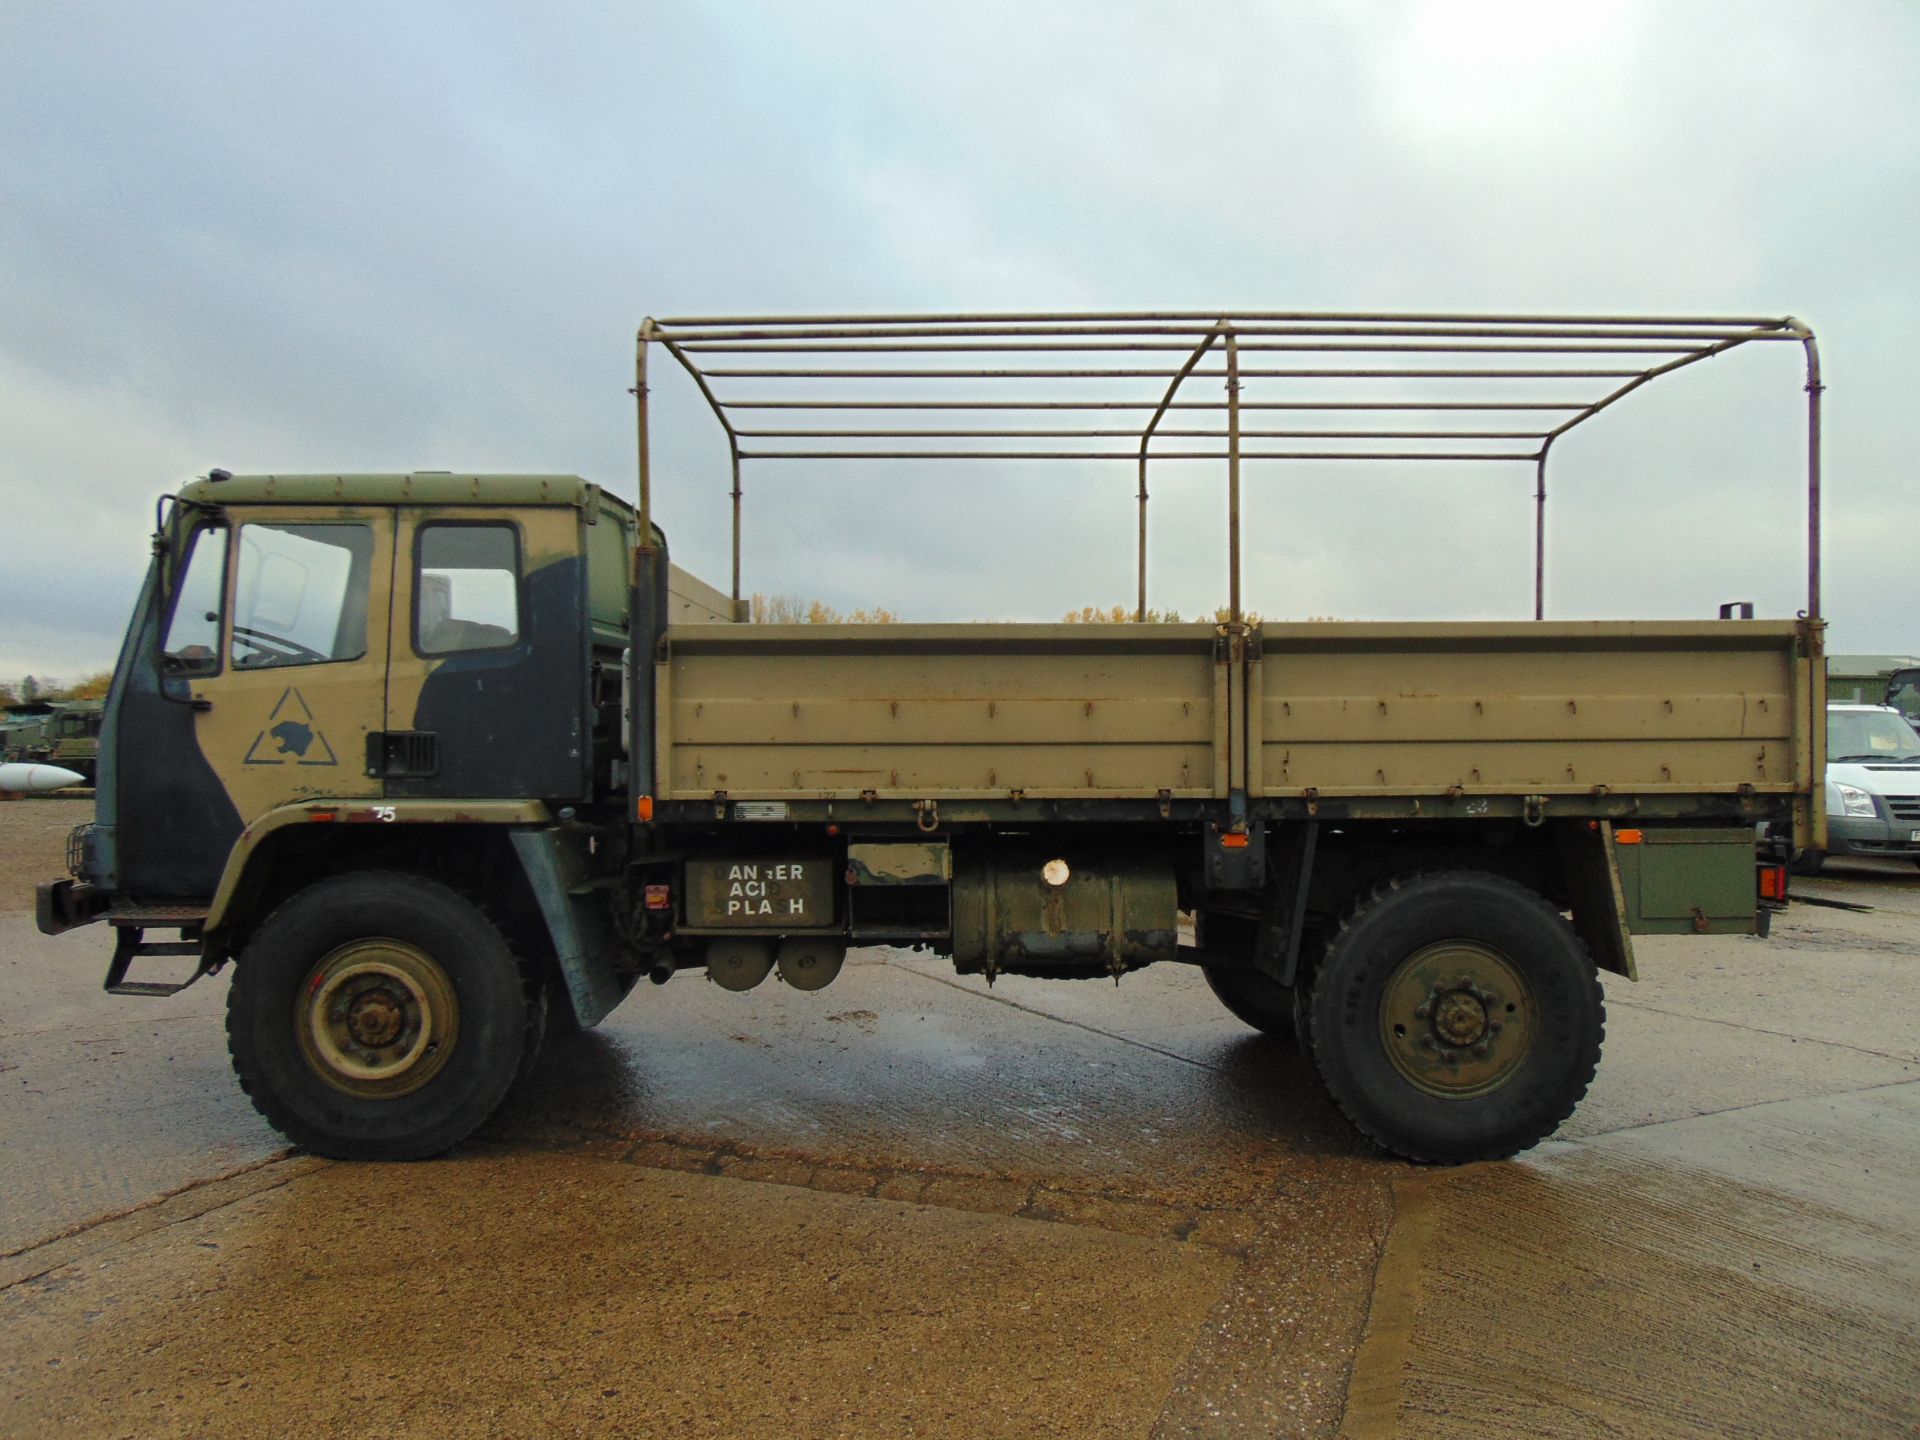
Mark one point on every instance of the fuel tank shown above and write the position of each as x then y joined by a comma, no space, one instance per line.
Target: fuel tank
1061,915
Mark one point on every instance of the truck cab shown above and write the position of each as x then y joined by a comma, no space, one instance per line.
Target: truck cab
380,638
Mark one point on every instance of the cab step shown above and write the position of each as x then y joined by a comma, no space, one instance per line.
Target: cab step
130,943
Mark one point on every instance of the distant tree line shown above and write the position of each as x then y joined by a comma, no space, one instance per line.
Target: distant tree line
796,610
1122,615
29,688
793,610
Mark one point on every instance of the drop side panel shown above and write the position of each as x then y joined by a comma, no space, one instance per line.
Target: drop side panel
941,712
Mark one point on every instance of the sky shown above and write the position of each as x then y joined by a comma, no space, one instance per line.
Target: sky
374,237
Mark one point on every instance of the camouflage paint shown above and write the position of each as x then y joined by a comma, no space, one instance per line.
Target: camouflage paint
400,812
512,721
196,780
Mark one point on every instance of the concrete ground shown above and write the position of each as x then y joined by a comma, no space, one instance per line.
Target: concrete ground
911,1205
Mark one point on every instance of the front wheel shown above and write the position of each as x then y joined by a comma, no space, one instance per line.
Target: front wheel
1809,862
1456,1017
378,1016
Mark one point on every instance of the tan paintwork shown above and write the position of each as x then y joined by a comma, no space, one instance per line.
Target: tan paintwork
340,699
691,601
954,711
899,862
1550,709
394,812
1081,711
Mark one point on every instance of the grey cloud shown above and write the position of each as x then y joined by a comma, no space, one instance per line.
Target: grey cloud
423,236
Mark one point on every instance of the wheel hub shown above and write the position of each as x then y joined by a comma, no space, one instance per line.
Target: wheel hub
377,1018
1456,1019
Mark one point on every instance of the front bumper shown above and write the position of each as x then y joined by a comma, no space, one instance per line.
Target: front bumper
63,905
1858,835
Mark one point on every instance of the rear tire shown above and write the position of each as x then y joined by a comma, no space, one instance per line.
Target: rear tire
1809,862
378,1016
1456,1017
1254,998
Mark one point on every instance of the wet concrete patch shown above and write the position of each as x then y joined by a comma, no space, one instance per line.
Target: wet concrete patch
545,1294
1753,1273
954,1189
1277,1351
1138,1131
942,1083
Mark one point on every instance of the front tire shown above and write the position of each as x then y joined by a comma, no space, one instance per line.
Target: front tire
377,1016
1456,1017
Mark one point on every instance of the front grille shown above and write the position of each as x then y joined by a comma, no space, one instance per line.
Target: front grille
1905,807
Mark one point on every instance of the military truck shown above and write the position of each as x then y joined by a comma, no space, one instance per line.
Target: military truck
73,736
23,735
441,761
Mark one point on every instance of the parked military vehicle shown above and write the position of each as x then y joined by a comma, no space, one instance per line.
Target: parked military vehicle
436,760
1875,680
23,735
73,737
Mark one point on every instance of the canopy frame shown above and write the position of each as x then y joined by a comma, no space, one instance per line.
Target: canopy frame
1483,361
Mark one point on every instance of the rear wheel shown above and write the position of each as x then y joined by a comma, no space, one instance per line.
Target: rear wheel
1456,1017
378,1016
1255,998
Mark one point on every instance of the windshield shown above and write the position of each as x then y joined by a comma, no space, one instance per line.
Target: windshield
1864,736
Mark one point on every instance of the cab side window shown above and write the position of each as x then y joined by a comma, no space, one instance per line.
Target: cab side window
466,588
300,594
192,644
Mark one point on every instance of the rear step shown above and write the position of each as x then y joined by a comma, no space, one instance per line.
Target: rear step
130,943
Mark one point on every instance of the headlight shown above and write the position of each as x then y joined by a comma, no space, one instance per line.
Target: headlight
1855,800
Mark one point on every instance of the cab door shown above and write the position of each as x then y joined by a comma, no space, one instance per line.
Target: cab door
253,681
487,681
302,679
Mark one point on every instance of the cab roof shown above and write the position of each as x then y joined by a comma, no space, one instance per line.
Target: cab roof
419,487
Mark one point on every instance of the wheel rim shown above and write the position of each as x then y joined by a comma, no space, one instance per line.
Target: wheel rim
377,1018
1457,1019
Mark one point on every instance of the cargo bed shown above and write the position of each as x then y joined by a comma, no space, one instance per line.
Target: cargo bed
998,711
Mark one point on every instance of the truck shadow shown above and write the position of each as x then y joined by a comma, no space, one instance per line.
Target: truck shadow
1220,1126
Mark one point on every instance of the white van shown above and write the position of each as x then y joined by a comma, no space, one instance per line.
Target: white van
1873,786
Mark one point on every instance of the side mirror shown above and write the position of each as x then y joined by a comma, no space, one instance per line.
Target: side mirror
175,532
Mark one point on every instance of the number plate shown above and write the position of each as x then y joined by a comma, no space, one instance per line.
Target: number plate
1913,837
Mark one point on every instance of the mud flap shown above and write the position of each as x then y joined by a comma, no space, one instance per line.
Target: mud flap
577,923
1592,869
